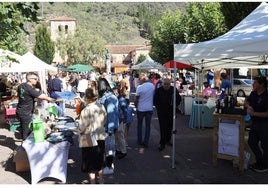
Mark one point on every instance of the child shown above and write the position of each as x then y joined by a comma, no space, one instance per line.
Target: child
130,117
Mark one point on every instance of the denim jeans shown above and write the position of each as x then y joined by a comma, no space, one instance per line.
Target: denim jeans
148,116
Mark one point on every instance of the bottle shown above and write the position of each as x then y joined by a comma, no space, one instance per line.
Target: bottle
226,101
221,107
232,101
218,105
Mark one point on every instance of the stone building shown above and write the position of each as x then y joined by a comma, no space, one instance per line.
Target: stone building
63,25
122,56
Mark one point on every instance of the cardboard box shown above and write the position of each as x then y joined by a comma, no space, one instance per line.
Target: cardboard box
21,160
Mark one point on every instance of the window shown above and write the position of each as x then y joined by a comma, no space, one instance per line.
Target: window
66,29
60,28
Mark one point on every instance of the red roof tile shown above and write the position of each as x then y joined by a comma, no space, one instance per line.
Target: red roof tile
124,49
63,18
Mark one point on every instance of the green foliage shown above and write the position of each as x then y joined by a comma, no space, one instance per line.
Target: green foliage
116,22
169,30
141,58
83,47
12,19
234,12
44,47
203,21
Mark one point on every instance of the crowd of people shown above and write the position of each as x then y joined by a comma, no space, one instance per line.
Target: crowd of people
105,110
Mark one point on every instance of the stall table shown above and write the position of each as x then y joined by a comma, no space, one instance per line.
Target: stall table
201,115
187,104
47,159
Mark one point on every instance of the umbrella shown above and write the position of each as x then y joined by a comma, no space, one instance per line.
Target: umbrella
66,95
80,68
179,65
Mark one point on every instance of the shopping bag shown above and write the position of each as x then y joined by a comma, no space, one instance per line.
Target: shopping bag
110,145
87,140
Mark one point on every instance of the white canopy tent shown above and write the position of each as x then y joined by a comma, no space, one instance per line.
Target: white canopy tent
243,46
246,45
9,61
33,63
28,63
149,63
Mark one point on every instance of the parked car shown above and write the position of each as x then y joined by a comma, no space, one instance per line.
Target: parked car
242,87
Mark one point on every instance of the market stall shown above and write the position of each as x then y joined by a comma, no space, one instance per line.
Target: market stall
47,148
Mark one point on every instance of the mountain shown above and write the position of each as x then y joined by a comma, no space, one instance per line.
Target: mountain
116,22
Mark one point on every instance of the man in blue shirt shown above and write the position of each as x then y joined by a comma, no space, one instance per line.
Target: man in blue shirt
210,78
226,85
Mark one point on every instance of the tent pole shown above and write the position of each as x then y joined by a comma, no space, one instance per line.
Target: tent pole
174,115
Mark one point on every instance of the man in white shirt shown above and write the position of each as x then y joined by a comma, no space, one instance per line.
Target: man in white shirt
144,105
82,86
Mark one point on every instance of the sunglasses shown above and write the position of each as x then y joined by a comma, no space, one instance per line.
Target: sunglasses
34,78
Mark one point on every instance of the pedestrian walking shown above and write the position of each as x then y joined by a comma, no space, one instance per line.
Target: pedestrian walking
130,117
92,120
144,105
163,101
110,102
120,142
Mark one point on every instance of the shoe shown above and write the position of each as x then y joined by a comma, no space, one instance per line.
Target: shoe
122,155
161,147
107,170
117,153
258,168
169,144
85,182
145,145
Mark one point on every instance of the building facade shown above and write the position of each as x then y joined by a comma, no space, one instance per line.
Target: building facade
61,25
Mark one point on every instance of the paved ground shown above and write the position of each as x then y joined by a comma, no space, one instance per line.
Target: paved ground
192,160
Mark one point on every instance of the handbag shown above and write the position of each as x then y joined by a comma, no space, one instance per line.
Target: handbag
87,140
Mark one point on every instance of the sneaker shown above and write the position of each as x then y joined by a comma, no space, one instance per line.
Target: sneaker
258,168
108,170
169,144
145,145
122,155
161,147
117,153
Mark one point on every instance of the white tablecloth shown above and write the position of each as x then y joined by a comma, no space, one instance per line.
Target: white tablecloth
47,159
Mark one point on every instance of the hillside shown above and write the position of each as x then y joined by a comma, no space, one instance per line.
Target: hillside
116,22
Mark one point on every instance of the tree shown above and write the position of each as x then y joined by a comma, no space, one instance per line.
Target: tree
141,58
234,12
201,22
12,18
83,47
168,31
44,47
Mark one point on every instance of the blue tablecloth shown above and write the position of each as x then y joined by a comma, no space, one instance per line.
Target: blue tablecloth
201,116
